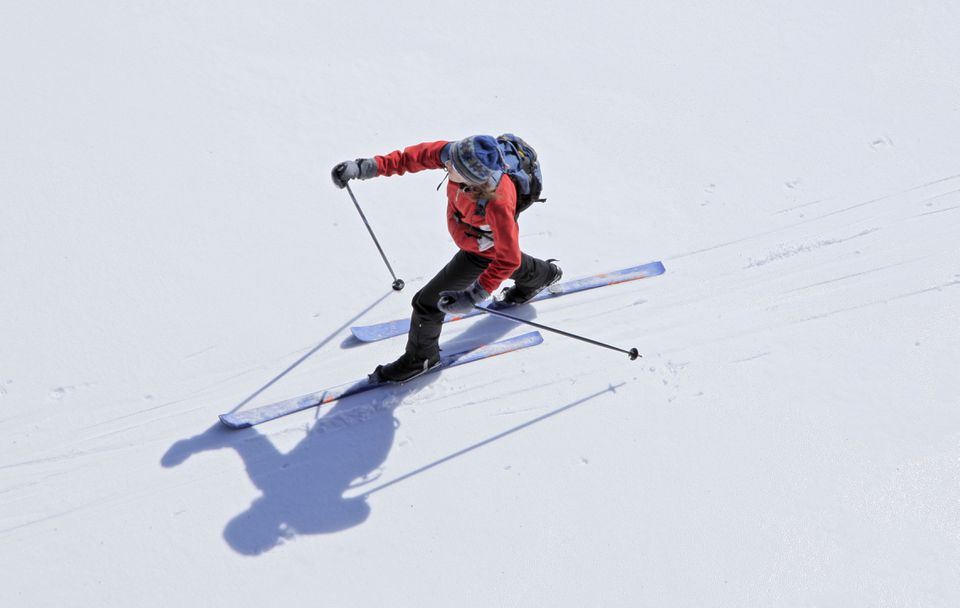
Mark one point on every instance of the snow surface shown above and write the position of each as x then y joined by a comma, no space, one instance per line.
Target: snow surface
171,248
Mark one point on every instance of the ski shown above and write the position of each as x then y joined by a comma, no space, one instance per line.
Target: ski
246,418
399,327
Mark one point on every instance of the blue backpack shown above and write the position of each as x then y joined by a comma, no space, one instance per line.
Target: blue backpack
523,168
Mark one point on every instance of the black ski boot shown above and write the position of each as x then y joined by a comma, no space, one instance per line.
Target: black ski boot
406,368
521,294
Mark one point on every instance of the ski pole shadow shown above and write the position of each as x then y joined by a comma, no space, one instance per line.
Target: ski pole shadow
303,491
311,352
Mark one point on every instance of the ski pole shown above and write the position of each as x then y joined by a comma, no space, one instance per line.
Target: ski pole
397,283
633,353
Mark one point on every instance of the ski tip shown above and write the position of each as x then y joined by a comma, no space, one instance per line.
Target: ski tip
363,334
232,423
650,269
523,340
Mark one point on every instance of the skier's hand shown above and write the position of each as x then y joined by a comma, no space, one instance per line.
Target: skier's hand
362,168
462,301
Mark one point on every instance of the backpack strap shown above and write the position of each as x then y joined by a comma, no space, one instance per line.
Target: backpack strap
481,208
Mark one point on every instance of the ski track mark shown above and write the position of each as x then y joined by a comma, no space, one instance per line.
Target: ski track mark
199,353
814,219
878,302
883,198
954,208
787,252
34,522
133,414
852,276
524,410
495,398
748,238
71,455
945,194
803,206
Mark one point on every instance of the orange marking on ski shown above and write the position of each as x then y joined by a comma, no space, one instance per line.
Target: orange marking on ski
643,276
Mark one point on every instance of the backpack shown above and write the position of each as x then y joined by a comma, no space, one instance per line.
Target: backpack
523,168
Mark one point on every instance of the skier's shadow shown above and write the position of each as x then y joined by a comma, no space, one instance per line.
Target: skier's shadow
303,490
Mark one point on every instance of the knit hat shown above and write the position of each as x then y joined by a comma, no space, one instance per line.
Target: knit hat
477,159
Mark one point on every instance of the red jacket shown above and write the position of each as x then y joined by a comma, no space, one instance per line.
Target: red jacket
494,235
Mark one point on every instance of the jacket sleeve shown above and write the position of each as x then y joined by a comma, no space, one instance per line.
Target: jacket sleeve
506,234
415,158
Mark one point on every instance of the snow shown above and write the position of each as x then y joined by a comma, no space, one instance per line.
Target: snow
171,248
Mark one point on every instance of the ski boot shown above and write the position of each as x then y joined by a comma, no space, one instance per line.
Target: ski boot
520,294
404,369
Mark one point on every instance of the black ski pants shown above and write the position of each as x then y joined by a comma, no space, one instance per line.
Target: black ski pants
426,322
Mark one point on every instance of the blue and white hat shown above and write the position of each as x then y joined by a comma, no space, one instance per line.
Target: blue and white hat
477,159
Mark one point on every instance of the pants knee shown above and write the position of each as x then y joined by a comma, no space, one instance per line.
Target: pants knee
425,303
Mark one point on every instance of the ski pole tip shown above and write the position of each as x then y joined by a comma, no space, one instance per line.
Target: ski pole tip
634,353
398,285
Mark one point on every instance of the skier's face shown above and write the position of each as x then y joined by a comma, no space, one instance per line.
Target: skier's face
454,176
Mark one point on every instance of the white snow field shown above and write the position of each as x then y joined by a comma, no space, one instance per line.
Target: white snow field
172,248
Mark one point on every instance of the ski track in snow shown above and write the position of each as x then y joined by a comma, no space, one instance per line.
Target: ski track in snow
911,294
790,251
884,222
891,199
855,275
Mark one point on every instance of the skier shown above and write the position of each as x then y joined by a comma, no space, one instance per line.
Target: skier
481,218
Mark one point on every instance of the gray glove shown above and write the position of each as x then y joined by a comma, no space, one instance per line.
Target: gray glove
462,301
362,168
